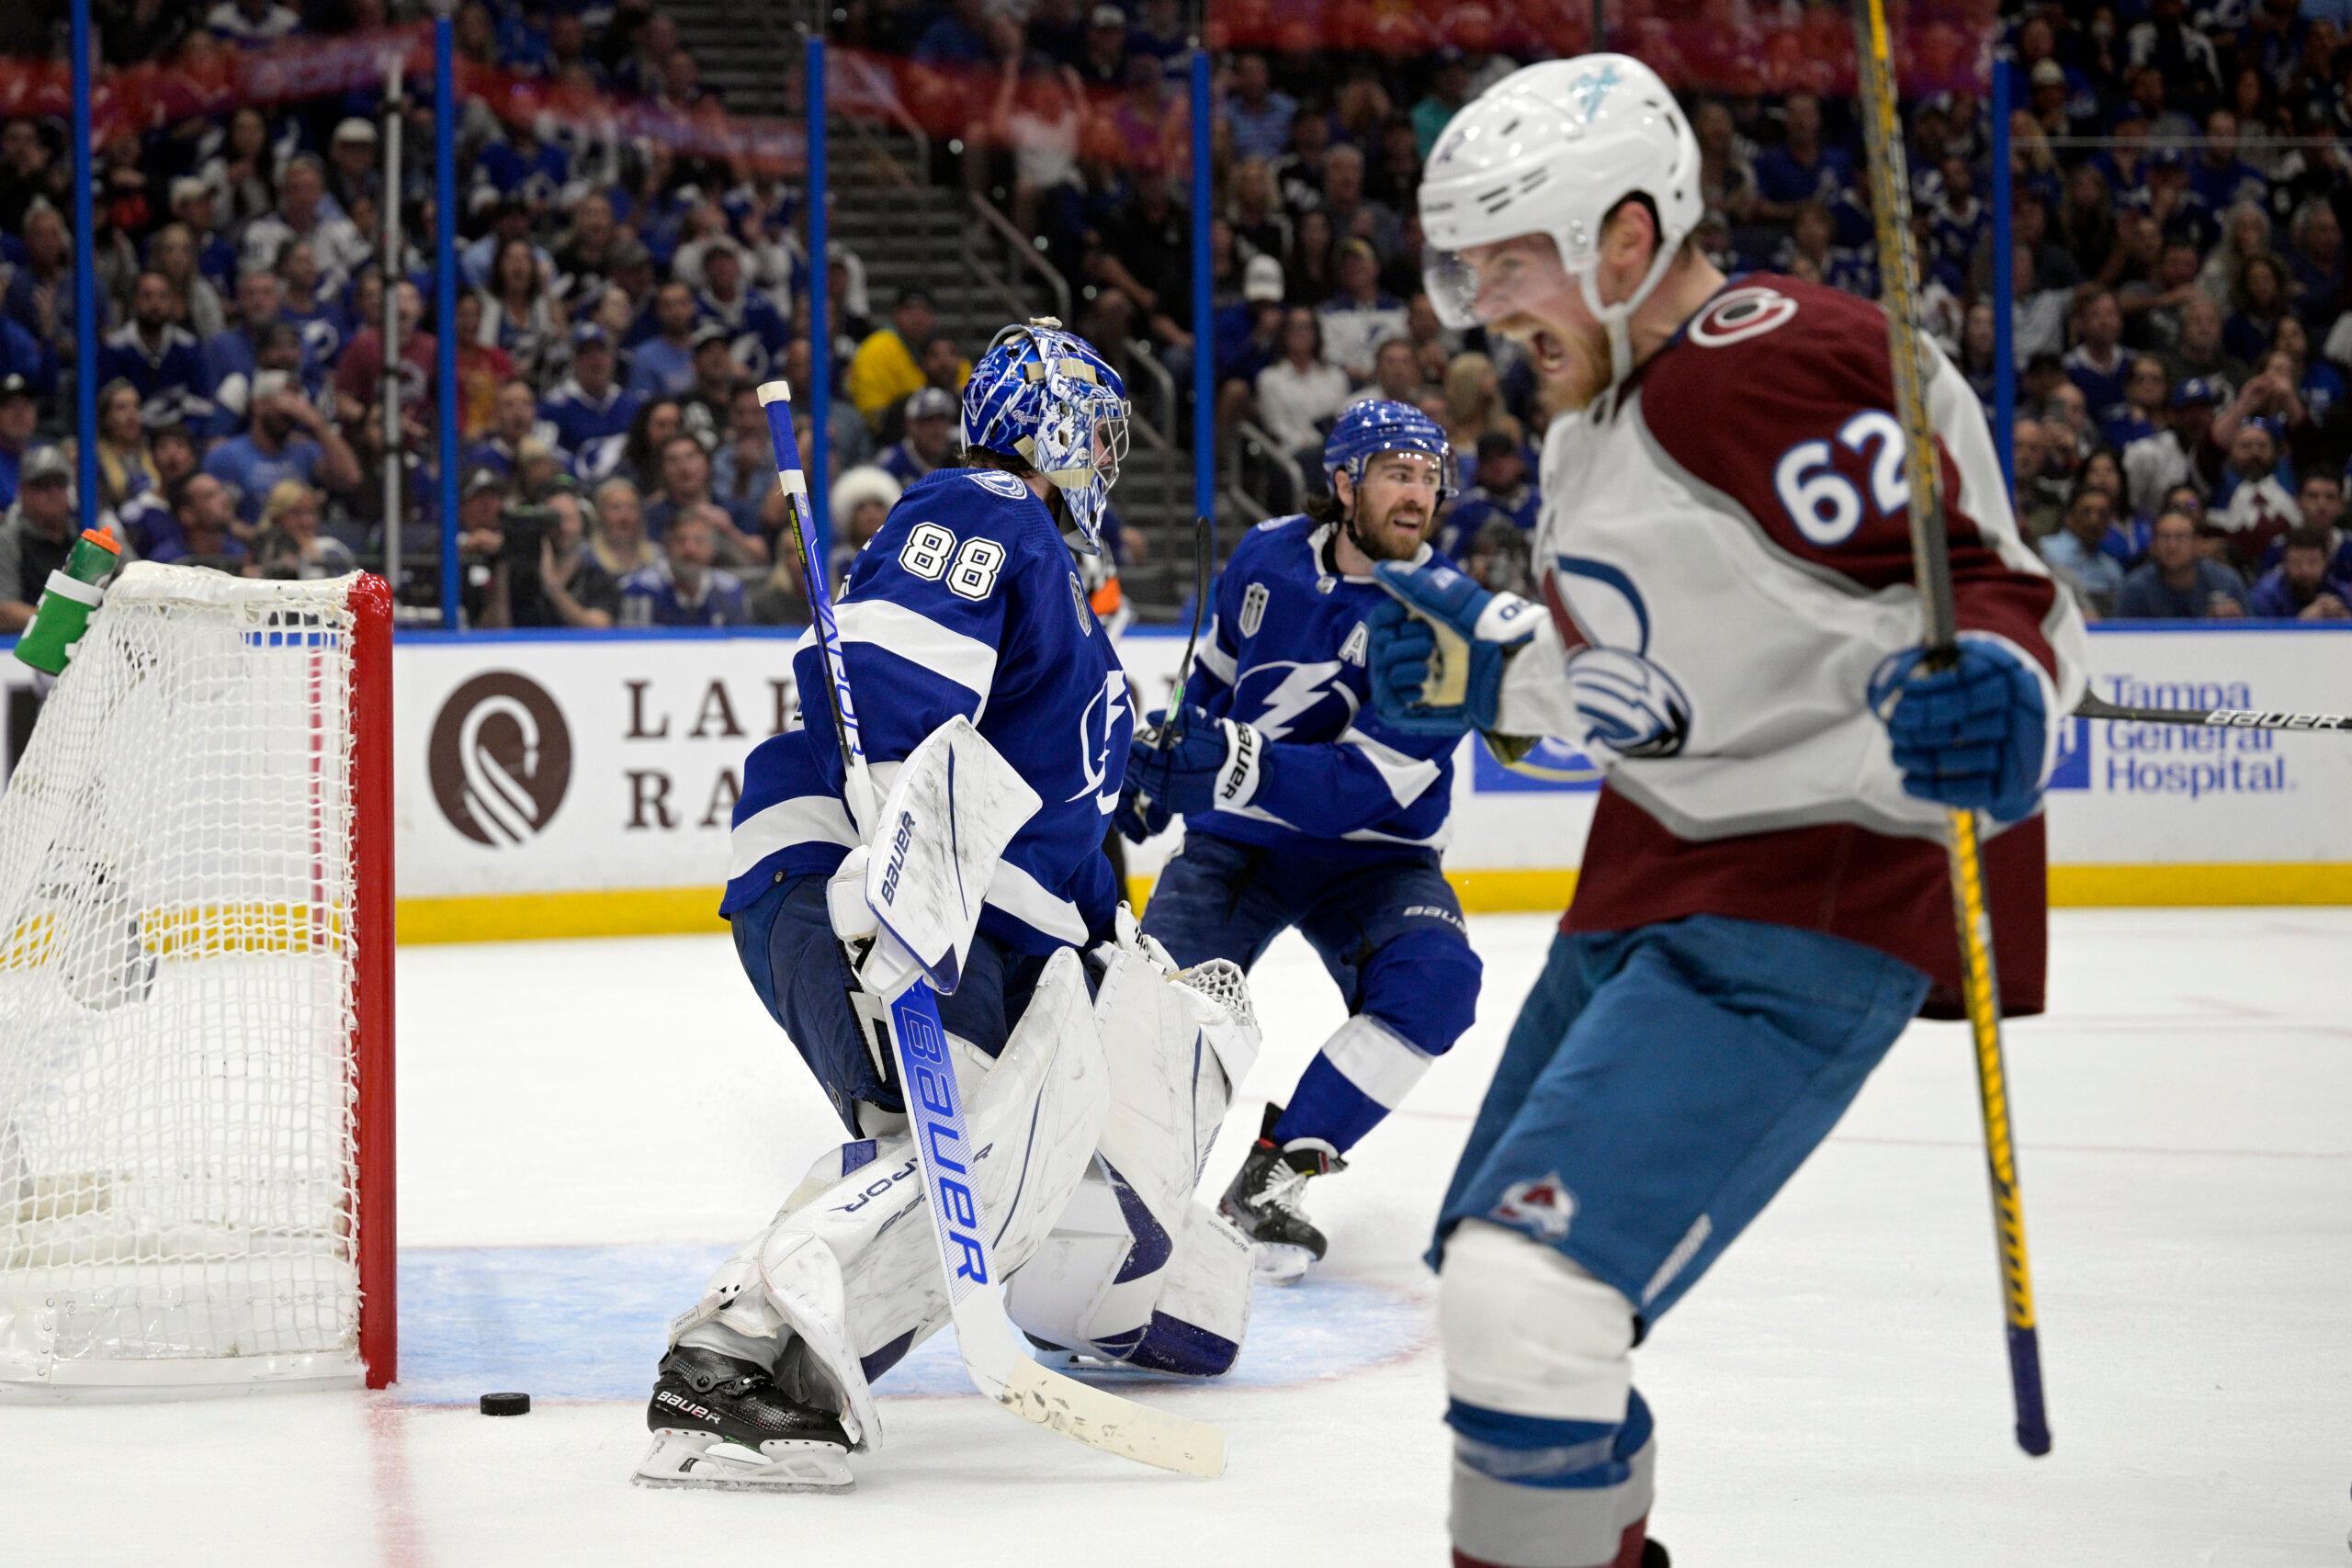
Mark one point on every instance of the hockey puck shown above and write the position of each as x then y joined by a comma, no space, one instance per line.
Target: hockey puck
506,1405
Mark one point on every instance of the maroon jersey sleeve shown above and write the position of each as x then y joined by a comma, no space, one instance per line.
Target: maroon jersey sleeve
1778,396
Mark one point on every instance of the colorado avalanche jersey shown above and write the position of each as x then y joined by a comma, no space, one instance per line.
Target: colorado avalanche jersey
1726,553
1286,656
966,603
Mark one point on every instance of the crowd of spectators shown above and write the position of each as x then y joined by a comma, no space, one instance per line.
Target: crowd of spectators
619,300
2180,332
2178,211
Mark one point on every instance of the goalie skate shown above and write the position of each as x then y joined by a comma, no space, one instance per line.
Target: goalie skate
721,1423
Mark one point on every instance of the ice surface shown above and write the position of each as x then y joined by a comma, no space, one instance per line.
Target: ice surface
586,1126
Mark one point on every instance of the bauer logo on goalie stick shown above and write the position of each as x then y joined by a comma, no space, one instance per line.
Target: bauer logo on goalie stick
500,758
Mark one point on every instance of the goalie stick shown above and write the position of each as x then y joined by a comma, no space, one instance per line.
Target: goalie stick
1931,564
984,1338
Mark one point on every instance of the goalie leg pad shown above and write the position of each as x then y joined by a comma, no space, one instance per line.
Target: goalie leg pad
1135,1269
846,1280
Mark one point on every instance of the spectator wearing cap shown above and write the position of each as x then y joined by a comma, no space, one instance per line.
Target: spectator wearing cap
2175,582
1360,317
157,357
359,373
661,362
354,173
251,24
1248,330
285,438
2097,362
1505,492
305,212
19,417
146,519
195,203
36,534
2305,584
588,410
2077,550
755,330
717,373
2155,464
2251,505
883,372
930,439
687,589
1102,62
1259,116
515,420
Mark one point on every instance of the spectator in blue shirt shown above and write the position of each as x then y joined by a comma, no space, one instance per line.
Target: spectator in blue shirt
662,364
2077,551
1802,168
2097,362
2177,583
2220,177
157,357
589,413
286,438
2301,586
2146,390
1259,115
685,590
930,438
1505,492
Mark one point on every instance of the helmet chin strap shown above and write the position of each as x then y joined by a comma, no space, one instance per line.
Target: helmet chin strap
1617,319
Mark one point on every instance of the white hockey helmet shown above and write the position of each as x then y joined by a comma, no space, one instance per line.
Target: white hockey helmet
1553,149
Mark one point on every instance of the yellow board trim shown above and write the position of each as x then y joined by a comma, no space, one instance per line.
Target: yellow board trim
661,911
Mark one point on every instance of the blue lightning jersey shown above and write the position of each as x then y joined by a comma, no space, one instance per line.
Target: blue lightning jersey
968,602
1287,655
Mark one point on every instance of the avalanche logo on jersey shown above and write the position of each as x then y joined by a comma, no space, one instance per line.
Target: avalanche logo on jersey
1095,742
1281,706
1634,707
1543,1207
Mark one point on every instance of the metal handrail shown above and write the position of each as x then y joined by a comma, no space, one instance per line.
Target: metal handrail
898,115
1140,352
1251,430
1020,246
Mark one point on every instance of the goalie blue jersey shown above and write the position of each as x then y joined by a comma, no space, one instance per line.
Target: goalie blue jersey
1286,656
967,602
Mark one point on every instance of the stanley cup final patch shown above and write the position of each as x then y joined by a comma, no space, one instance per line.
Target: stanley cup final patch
1253,608
1543,1207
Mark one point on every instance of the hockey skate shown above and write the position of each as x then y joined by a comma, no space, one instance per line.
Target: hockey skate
1264,1202
720,1422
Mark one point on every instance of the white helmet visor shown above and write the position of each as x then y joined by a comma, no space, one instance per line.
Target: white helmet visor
1481,285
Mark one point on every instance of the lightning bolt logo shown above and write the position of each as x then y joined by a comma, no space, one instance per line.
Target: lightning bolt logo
1295,696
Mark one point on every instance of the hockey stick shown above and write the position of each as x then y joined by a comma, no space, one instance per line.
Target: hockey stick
991,1349
1931,564
2219,718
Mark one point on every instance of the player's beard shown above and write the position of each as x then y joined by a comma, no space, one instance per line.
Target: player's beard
1381,538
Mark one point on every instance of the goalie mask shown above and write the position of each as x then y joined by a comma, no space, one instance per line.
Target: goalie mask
1553,150
1045,396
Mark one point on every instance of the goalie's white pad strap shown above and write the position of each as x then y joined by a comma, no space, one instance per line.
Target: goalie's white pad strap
952,808
845,1273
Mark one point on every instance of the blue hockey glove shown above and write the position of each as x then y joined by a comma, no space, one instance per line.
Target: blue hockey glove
1439,647
1139,816
1206,764
1970,735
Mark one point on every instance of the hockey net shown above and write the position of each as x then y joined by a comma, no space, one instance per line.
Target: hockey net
195,996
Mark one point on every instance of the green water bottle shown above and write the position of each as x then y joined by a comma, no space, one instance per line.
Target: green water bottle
67,601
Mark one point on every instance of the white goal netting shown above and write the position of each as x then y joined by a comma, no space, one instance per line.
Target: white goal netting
177,962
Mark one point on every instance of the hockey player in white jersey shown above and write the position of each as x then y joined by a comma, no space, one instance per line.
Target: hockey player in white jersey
1729,626
1094,1075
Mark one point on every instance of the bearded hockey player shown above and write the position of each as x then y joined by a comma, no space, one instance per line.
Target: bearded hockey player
1303,808
1089,1067
1729,626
